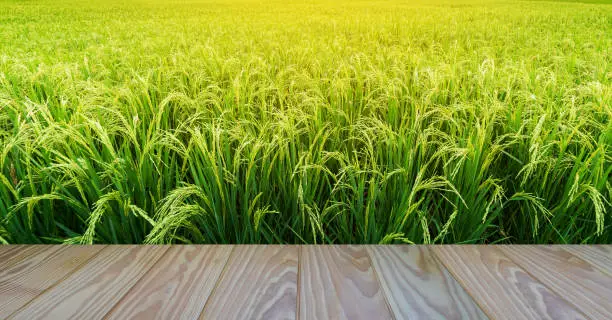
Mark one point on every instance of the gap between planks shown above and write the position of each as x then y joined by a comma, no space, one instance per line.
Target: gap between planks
503,288
299,283
417,285
462,284
573,276
132,288
546,285
214,290
93,289
56,283
380,283
182,279
260,283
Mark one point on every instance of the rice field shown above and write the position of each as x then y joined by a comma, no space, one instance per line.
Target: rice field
311,121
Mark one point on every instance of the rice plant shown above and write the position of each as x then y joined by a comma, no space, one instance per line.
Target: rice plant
244,121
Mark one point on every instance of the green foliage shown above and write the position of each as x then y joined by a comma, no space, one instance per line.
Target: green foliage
236,121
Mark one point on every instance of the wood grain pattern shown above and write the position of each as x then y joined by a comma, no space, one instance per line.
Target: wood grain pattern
502,288
5,251
23,281
27,257
91,291
418,287
6,247
14,254
259,282
177,287
599,256
339,282
312,282
587,288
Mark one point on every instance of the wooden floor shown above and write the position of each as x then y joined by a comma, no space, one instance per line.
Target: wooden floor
305,282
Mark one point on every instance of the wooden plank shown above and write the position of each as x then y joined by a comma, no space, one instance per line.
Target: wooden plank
7,252
15,254
92,290
259,282
25,257
599,256
418,287
502,288
339,282
586,287
28,278
6,247
177,287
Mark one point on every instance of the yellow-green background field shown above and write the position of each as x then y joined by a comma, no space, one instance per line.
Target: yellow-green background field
305,121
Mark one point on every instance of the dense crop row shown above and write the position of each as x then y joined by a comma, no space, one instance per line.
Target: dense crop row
310,122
